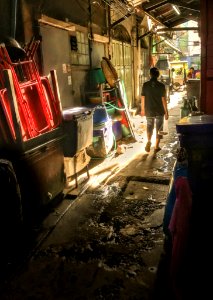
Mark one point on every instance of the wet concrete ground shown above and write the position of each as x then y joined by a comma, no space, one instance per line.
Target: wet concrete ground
108,242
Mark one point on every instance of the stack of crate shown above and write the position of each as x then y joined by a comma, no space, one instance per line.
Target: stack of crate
31,128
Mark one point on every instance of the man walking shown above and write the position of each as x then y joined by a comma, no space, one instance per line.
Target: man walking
154,107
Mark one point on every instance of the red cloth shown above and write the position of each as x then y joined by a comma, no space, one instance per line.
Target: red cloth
179,225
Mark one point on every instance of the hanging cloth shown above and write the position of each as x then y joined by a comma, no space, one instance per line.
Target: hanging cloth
179,227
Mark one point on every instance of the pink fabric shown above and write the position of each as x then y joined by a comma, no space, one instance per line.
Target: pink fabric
180,224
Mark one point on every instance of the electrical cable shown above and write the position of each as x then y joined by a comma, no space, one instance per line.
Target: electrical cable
116,107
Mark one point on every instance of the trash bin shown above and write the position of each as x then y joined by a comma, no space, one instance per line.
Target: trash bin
78,129
195,132
40,175
196,136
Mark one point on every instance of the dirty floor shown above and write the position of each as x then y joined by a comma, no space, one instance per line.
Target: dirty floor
108,242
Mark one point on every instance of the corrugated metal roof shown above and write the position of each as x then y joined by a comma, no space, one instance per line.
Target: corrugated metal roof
165,13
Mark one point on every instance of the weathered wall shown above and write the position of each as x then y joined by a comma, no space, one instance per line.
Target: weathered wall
91,19
68,11
74,11
94,19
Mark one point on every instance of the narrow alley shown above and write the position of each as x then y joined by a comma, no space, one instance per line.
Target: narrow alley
86,212
106,242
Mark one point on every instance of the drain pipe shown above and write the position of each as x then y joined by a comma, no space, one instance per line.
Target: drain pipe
13,17
90,33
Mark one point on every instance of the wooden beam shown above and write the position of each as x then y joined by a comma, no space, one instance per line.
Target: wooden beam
176,29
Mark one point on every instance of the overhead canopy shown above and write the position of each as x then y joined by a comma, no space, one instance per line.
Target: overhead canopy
167,13
171,13
170,44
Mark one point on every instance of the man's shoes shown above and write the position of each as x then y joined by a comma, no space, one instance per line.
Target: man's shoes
148,146
156,150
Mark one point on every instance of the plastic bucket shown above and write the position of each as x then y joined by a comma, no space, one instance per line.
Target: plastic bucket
100,115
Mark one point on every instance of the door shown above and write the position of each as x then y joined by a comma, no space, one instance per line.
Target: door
55,47
121,59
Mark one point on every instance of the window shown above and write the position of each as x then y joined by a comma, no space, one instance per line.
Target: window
79,49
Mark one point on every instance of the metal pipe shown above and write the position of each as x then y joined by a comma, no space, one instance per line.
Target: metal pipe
120,20
145,34
176,29
13,17
90,32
